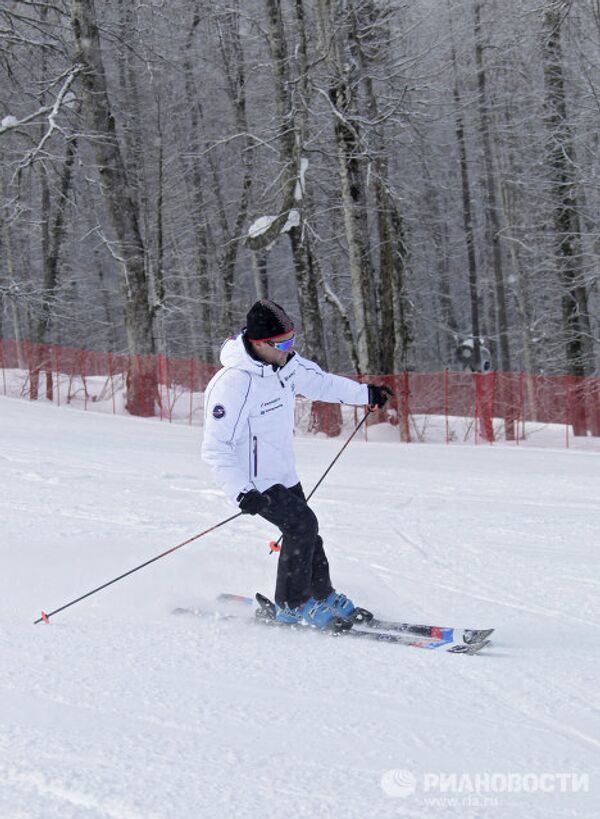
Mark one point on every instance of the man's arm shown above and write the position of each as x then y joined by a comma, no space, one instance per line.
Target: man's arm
226,409
314,383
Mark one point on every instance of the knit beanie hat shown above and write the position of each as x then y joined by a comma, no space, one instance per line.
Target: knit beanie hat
267,320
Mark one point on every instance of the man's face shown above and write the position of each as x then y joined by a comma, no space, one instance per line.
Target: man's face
271,355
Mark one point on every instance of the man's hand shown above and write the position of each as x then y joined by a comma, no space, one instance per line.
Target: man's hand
253,502
378,395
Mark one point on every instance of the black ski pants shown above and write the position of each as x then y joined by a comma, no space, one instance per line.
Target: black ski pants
303,570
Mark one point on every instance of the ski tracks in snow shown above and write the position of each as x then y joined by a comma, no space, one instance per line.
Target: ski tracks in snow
53,790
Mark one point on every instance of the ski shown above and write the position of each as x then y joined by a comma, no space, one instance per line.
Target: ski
266,611
466,635
265,615
368,620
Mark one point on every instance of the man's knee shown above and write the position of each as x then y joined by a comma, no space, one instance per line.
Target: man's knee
294,517
303,523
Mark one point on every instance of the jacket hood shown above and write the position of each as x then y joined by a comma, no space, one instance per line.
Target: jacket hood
234,354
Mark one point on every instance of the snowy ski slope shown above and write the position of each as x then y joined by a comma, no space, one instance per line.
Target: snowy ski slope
119,709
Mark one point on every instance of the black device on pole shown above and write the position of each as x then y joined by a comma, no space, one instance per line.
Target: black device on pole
46,617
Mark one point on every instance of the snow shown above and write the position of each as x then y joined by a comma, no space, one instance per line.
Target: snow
260,226
300,184
119,709
70,100
9,122
263,223
293,220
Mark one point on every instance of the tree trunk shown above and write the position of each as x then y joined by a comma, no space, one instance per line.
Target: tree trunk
197,188
562,164
53,243
156,274
308,298
523,282
350,155
9,300
467,217
492,214
235,70
52,248
305,268
128,249
261,276
288,151
491,200
434,212
342,314
131,126
403,329
396,335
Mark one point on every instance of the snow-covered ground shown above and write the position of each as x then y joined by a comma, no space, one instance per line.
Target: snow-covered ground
119,709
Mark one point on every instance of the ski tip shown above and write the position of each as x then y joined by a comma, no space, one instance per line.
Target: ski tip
470,648
477,635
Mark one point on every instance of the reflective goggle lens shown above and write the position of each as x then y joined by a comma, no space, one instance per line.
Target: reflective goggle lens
283,345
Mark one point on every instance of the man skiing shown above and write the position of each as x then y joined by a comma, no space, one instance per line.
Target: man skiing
248,442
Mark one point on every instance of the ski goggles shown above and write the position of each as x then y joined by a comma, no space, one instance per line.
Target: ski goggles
282,345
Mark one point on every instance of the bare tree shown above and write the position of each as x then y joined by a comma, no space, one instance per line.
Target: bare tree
567,228
446,194
563,164
371,37
338,42
128,247
467,214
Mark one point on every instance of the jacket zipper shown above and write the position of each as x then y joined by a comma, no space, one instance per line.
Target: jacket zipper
255,454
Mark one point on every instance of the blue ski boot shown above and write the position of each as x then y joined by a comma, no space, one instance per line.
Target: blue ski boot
318,614
341,605
312,613
284,614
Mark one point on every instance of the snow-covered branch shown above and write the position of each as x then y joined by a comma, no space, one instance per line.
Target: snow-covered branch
64,98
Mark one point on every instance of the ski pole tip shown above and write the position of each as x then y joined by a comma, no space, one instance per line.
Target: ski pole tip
45,618
274,547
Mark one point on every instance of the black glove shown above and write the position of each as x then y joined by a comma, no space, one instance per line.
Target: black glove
253,502
378,395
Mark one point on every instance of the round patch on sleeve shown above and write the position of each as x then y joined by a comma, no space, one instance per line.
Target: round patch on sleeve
218,411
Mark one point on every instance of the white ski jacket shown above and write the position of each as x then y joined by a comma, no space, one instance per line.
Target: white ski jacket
249,416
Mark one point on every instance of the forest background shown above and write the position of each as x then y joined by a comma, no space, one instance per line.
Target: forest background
402,176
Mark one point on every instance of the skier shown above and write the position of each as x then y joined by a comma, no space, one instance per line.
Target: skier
248,442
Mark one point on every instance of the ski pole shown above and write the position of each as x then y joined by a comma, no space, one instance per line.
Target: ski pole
46,617
275,545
